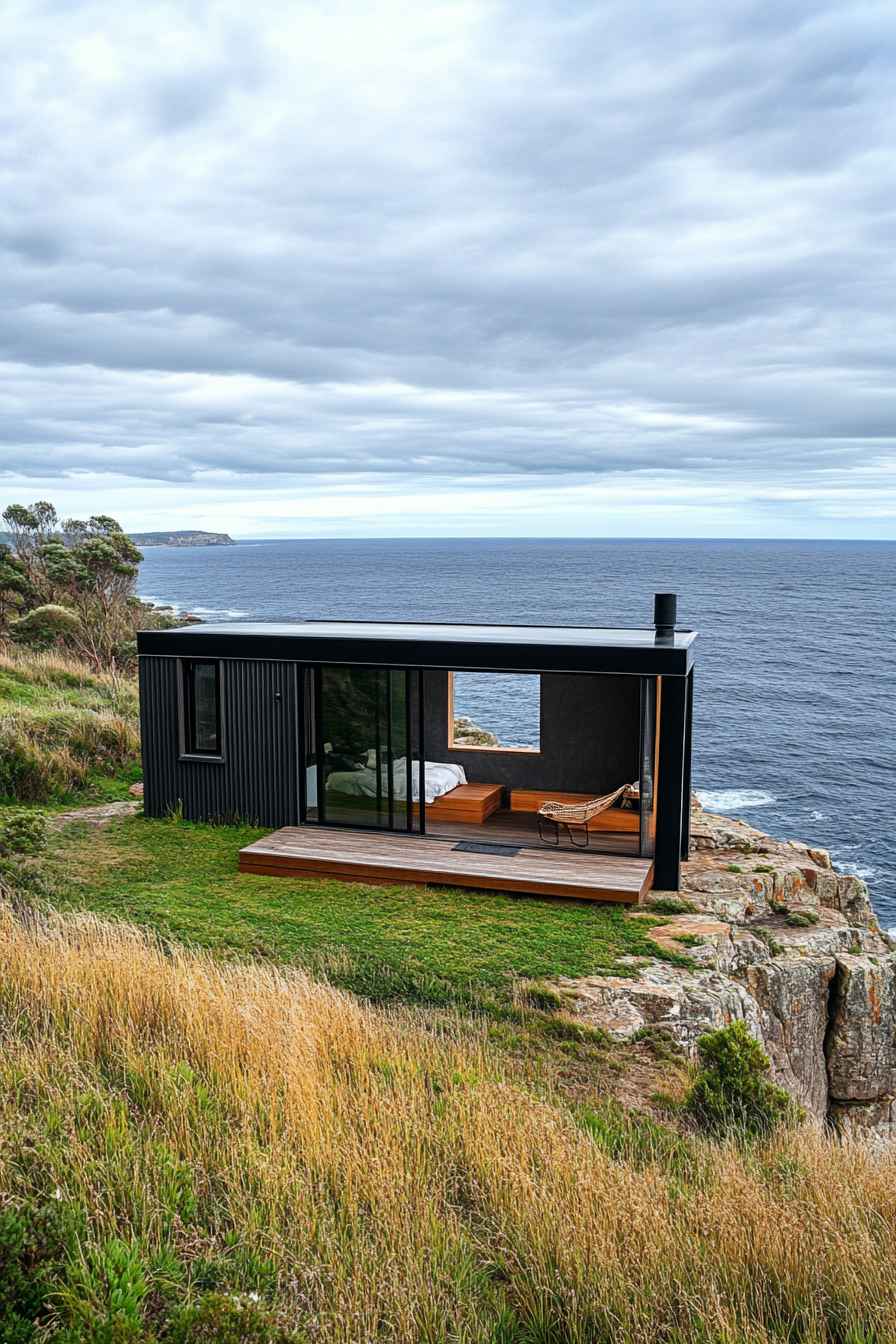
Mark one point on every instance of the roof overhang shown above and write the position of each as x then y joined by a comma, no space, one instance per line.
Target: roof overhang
487,648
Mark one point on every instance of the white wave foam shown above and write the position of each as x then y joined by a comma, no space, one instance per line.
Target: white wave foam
218,611
160,602
727,800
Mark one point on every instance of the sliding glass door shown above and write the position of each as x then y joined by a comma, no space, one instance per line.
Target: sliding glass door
650,713
363,758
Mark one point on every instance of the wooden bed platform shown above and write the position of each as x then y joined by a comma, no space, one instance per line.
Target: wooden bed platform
408,860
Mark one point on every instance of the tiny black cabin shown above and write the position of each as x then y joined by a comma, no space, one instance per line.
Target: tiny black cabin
360,743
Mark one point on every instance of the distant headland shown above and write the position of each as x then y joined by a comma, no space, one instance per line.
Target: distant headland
181,539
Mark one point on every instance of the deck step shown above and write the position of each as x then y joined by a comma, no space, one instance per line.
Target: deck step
369,857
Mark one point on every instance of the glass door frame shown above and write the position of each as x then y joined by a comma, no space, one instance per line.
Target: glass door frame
311,731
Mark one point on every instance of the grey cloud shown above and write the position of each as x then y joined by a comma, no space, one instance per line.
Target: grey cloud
529,238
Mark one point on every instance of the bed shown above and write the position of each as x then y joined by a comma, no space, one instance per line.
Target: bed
439,778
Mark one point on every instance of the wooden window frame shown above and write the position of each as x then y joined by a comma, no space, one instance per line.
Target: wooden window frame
494,751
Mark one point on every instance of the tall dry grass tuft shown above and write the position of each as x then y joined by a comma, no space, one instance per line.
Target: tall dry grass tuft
55,667
389,1176
60,721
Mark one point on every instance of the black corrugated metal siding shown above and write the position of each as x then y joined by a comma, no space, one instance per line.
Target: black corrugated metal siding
257,781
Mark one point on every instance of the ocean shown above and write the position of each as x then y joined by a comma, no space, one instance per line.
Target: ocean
796,677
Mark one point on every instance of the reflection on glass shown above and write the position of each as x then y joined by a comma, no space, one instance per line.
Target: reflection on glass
203,709
310,748
365,718
647,843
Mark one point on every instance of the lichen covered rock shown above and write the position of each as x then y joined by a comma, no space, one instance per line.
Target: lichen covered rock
861,1044
782,941
792,997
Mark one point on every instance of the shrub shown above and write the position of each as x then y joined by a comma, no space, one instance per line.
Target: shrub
671,905
732,1093
32,1251
733,868
23,833
45,626
227,1320
802,919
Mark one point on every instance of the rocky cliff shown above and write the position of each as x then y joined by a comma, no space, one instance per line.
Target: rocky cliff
780,939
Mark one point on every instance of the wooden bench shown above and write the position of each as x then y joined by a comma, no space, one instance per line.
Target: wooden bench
468,802
614,819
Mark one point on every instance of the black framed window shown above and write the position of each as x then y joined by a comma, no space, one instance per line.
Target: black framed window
202,708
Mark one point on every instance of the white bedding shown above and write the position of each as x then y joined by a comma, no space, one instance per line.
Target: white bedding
439,778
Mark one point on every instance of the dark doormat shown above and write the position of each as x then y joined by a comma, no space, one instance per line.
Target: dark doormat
478,847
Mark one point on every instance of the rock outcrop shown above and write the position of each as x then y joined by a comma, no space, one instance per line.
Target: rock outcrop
469,734
186,538
781,940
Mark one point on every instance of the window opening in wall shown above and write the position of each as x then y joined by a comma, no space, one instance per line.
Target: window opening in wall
494,711
202,708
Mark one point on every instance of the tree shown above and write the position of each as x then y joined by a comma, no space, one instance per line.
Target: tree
16,591
87,568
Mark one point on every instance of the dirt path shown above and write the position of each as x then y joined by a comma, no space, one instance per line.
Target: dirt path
96,816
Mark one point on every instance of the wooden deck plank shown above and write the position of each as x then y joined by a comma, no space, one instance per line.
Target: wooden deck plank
359,856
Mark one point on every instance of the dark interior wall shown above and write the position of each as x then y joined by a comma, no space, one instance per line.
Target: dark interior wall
590,728
257,781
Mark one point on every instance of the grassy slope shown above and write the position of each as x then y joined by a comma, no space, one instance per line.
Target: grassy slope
187,1124
66,732
387,942
413,1175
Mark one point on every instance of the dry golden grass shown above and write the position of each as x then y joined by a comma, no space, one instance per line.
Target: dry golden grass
59,720
399,1183
47,668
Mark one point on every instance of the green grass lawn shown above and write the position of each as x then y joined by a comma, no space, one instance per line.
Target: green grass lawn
414,944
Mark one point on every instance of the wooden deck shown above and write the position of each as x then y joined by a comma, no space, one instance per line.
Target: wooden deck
364,856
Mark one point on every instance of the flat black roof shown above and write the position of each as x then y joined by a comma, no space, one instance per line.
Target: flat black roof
495,648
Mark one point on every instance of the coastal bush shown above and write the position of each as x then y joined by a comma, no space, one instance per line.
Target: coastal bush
732,1093
23,832
34,1246
228,1320
70,585
45,626
386,1174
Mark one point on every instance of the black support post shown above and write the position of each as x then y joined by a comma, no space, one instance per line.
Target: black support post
670,782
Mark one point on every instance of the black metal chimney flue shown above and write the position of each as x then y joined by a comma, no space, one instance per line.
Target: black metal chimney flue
665,613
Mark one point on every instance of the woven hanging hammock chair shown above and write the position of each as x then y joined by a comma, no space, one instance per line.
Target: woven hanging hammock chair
579,814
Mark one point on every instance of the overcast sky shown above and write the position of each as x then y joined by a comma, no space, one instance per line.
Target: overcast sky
404,267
